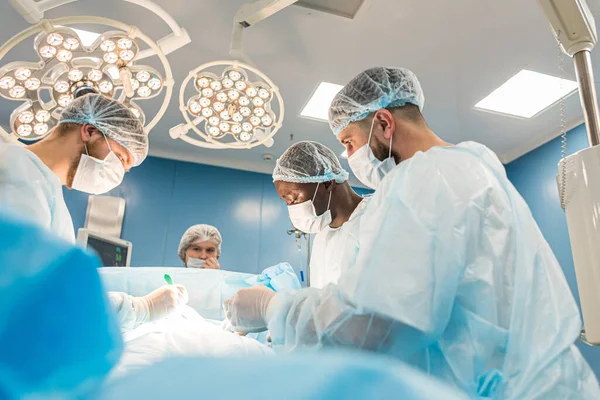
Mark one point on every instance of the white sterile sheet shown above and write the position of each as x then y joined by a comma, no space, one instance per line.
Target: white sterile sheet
184,333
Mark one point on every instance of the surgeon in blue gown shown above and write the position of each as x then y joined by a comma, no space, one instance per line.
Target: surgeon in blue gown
96,141
447,268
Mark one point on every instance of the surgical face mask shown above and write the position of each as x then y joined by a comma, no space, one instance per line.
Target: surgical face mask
194,263
305,218
96,176
367,168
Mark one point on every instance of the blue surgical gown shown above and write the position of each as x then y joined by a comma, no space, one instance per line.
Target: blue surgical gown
58,334
449,271
30,190
325,261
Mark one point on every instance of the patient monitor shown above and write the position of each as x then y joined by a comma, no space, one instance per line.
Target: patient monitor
113,252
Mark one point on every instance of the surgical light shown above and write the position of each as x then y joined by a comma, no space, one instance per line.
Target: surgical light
26,117
17,92
142,76
32,84
108,45
228,109
64,55
67,68
105,87
40,129
6,82
24,130
247,105
71,44
22,73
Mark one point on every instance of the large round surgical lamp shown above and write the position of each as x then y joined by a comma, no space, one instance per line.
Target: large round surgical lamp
68,68
228,108
234,105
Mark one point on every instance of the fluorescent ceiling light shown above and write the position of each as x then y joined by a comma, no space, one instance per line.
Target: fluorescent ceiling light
527,94
87,37
318,105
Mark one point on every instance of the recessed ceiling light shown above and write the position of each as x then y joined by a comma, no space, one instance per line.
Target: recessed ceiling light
318,105
527,94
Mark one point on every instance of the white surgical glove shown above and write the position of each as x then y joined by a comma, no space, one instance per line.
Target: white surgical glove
247,309
160,303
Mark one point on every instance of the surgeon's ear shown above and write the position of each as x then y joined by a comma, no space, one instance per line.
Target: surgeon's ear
386,121
87,131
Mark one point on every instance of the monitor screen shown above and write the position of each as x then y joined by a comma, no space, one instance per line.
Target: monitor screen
111,254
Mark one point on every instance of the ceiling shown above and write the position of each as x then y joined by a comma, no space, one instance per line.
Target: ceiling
461,50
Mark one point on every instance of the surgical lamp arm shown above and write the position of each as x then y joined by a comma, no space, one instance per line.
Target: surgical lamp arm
33,12
173,41
248,15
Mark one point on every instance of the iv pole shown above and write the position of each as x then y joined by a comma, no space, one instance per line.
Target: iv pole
579,183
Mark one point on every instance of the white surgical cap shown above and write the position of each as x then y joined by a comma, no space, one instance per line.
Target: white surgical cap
373,90
113,119
309,162
199,233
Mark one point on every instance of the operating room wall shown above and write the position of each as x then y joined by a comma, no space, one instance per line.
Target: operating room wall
534,176
164,197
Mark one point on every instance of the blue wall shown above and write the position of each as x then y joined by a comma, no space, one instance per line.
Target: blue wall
165,197
534,176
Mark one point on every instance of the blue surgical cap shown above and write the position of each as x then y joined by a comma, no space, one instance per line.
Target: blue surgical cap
373,90
309,162
113,119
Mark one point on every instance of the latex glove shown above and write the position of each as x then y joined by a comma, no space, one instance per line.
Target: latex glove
226,326
247,309
164,300
211,263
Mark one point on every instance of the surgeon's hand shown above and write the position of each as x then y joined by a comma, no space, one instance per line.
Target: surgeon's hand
164,300
247,309
211,263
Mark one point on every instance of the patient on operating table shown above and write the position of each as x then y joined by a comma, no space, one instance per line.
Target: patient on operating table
180,332
192,321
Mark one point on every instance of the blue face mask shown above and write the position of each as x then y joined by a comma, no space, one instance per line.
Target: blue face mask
367,168
194,263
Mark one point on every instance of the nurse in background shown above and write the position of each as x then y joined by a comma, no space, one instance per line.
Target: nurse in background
200,247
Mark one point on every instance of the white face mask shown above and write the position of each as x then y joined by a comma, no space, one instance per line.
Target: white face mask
305,218
367,168
194,263
96,176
